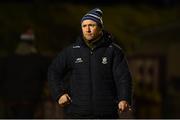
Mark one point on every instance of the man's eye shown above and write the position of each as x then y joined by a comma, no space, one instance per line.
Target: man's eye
92,25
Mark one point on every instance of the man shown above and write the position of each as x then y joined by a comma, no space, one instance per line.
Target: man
100,81
24,73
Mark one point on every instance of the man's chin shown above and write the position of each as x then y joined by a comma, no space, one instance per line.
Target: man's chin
88,38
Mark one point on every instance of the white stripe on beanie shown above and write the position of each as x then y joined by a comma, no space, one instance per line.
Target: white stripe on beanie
93,15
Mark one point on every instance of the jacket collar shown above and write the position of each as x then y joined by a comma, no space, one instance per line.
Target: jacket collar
105,40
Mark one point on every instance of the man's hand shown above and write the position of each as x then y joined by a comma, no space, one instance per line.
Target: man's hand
124,106
64,100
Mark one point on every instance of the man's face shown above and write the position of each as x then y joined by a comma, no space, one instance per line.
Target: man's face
90,30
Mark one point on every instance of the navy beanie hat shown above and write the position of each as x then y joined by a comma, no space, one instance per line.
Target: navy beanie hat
95,15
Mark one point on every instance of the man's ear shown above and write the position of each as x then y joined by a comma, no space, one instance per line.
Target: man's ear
100,30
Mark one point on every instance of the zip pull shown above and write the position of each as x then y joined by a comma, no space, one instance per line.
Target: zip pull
92,50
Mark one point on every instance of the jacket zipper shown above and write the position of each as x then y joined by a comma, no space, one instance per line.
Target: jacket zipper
90,77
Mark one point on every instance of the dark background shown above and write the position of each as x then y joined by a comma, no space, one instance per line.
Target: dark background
147,30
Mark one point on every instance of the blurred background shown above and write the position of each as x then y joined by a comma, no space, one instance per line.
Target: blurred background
147,30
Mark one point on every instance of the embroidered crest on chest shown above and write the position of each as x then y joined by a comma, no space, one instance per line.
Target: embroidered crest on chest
104,60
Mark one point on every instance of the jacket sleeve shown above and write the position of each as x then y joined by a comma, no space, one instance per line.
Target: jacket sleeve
122,76
56,73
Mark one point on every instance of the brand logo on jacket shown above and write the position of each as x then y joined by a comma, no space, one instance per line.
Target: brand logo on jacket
104,60
79,60
77,46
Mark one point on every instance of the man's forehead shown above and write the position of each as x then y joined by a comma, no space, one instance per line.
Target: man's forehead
88,22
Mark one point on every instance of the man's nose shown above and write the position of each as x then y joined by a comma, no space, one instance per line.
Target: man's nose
88,29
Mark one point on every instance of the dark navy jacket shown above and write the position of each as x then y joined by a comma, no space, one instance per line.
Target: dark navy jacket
99,77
